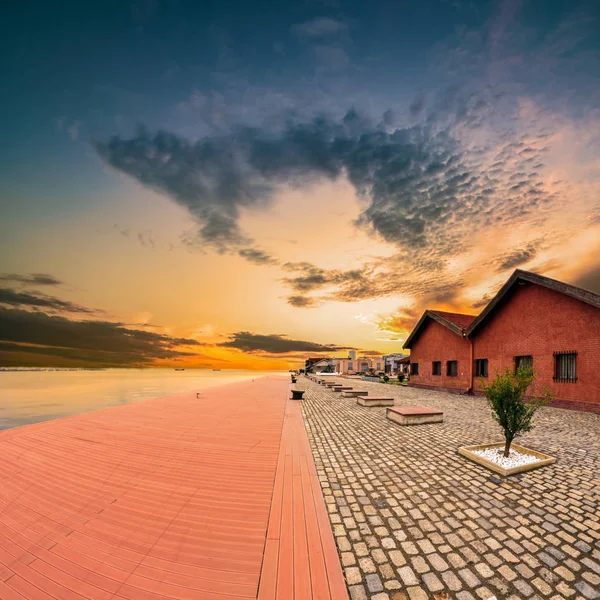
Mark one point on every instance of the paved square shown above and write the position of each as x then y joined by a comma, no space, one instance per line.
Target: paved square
413,519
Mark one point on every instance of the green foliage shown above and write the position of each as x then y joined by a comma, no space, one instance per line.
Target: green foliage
510,409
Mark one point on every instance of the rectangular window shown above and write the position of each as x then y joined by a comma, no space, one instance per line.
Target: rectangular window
524,362
481,367
414,368
436,367
452,368
350,367
565,367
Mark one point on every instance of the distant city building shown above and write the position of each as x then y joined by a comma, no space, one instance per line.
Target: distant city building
354,364
392,363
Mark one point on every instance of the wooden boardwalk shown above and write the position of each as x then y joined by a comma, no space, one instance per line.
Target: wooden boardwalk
174,498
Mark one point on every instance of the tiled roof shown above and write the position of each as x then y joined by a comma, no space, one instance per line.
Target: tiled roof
455,322
461,320
526,276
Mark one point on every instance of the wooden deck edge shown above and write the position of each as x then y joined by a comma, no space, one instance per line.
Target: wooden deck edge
301,560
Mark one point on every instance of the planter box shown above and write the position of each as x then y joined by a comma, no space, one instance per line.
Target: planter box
414,415
467,452
374,401
354,393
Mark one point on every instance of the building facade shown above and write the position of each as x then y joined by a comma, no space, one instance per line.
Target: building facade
533,321
439,351
392,364
360,364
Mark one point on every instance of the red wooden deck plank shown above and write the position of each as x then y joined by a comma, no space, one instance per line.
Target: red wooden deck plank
301,560
172,498
164,499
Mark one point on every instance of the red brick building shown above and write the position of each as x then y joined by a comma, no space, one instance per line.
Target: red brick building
532,321
439,350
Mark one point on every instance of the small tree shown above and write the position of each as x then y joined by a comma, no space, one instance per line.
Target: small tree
506,396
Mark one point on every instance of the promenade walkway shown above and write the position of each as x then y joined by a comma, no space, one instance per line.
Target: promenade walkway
210,498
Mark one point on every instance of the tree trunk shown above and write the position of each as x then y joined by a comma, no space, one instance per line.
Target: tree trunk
507,446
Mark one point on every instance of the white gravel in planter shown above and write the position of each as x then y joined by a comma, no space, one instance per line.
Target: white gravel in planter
514,458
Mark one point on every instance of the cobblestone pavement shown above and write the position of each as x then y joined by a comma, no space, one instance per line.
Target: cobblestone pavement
414,520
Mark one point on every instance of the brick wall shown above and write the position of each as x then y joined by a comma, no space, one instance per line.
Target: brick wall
437,342
537,321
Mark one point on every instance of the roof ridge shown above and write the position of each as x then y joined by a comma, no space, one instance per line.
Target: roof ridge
567,289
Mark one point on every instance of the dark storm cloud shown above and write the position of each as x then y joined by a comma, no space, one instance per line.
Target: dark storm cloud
302,301
420,189
310,277
517,257
15,298
381,277
485,300
274,344
99,342
33,279
258,257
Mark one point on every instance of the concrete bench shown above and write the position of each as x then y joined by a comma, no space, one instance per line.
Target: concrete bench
414,415
374,401
341,388
297,394
354,393
331,384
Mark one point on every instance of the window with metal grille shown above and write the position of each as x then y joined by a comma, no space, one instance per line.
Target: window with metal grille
452,368
414,368
524,362
436,367
565,367
481,367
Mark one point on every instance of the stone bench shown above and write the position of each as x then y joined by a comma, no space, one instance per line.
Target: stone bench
354,393
331,384
341,388
374,401
414,415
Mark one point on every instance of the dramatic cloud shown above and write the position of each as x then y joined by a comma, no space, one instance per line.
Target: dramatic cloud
401,322
258,257
422,190
274,344
517,257
85,342
302,302
426,280
485,300
10,297
33,279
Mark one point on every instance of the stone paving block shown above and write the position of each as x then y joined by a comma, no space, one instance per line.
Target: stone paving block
411,512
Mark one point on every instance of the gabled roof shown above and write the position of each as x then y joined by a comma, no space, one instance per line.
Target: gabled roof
323,360
459,319
526,276
455,322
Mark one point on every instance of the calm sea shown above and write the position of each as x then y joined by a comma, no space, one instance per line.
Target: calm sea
31,396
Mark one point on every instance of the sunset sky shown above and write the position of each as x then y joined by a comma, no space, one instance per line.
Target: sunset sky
242,184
